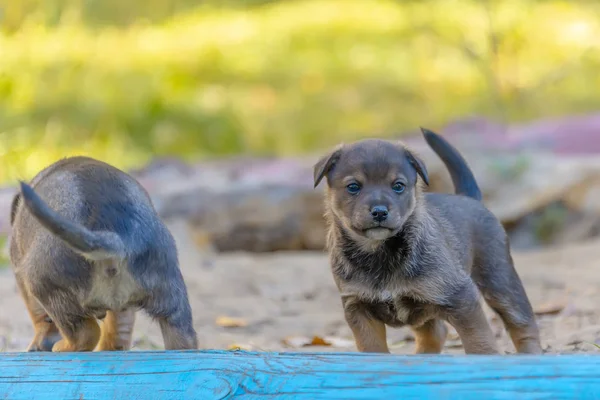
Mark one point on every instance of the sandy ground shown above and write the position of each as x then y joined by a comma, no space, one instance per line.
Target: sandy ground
292,295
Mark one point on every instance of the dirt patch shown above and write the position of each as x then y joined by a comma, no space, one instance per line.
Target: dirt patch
282,300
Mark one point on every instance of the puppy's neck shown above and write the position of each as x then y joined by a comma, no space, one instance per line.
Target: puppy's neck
376,267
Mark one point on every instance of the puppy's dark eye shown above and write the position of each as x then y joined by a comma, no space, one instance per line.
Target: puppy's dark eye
398,187
353,188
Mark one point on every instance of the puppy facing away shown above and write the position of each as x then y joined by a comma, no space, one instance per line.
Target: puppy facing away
400,256
87,244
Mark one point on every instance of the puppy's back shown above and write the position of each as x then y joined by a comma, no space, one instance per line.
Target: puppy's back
96,196
469,227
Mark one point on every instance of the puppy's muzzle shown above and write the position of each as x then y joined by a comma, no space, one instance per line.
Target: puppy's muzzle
379,213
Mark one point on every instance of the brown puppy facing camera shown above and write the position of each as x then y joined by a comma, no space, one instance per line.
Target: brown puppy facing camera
403,257
87,244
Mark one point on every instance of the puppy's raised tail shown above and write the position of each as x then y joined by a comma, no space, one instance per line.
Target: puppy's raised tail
95,246
462,176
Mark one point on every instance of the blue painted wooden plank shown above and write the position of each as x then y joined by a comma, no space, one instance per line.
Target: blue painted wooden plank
247,375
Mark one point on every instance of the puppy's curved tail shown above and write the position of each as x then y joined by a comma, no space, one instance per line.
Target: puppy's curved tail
462,176
95,246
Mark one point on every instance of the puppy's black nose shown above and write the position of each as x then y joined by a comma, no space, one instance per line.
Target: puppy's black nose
379,213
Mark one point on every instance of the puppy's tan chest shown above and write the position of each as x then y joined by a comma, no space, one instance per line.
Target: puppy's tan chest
401,311
395,306
113,287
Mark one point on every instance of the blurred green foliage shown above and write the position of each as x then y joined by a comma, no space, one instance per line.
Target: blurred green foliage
4,261
125,80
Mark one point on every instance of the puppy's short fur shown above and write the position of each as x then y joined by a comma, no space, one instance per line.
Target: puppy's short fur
87,244
403,257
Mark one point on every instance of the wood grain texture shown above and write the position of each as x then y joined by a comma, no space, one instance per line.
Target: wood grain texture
247,375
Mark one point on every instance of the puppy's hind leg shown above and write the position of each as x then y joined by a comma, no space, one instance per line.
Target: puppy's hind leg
503,291
178,333
174,315
79,332
45,331
176,326
117,330
466,315
167,301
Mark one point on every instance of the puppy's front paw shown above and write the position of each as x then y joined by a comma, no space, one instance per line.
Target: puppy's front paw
109,346
63,346
35,347
42,344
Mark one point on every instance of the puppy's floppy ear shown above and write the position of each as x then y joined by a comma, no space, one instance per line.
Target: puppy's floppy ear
325,164
13,208
418,165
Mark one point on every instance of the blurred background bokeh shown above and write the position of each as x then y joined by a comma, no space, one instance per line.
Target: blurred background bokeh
220,108
128,80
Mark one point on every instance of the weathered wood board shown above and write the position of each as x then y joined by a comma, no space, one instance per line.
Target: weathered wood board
247,375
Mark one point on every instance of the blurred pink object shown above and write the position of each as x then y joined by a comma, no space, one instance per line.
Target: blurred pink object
568,135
